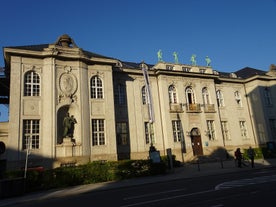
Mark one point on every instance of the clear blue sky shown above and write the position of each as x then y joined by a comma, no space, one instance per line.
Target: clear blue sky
233,33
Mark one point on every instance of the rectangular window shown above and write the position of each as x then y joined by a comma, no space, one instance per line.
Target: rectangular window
120,94
149,133
122,133
177,130
30,134
98,135
202,70
225,130
220,98
243,129
272,125
211,129
185,69
169,67
267,97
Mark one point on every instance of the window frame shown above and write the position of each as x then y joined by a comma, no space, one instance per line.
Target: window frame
32,83
98,132
177,131
172,94
211,132
149,133
220,98
122,133
31,134
243,129
96,88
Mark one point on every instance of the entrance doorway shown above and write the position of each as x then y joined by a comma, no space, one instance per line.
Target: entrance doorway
196,142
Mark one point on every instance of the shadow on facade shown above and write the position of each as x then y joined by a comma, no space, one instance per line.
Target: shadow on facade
264,120
121,115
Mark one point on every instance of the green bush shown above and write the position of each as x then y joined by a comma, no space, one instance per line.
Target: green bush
92,172
262,152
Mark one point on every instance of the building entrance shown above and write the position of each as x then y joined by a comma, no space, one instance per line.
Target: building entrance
196,142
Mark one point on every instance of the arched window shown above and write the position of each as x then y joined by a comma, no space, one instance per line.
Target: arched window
205,96
32,84
144,95
190,98
238,98
220,99
96,87
172,94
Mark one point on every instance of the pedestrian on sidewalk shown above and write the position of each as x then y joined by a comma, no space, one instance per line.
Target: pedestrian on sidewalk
251,154
238,156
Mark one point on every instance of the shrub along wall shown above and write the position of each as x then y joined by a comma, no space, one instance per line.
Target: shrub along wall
93,172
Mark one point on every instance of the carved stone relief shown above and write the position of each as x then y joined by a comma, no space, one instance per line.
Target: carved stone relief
67,86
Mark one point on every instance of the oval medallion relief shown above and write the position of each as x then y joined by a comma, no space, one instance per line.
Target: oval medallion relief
68,84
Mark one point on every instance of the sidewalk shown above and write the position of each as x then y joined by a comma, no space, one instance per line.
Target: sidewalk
187,171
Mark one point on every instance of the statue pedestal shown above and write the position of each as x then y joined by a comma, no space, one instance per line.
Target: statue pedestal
66,148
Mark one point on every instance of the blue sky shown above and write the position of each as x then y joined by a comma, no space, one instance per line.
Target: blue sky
233,33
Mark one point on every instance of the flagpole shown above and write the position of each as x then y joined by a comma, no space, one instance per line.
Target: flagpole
148,92
144,68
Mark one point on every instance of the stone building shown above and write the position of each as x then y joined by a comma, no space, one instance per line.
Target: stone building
122,108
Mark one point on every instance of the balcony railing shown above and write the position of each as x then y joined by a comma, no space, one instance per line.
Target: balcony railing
209,108
176,107
193,108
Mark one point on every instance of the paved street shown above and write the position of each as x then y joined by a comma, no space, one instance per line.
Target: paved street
187,171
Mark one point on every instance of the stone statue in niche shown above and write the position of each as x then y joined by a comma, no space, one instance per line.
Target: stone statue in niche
69,125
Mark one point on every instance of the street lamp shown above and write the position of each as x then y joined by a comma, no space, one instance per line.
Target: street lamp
28,152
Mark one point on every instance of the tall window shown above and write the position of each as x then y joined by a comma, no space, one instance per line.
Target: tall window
98,135
238,98
96,87
205,96
120,94
177,130
272,125
144,95
243,129
172,94
149,133
190,95
220,99
267,97
30,134
211,129
225,131
32,84
122,133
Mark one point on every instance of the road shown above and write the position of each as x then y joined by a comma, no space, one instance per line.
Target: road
246,188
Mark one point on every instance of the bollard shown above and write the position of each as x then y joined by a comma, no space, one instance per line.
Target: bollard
221,163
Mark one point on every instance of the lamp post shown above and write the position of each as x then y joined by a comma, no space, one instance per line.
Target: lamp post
27,155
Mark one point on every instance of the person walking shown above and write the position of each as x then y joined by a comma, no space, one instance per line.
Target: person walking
251,154
238,156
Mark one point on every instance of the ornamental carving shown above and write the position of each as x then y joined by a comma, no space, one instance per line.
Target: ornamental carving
67,84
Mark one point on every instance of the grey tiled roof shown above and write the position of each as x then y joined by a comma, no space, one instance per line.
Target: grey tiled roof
31,47
248,72
41,47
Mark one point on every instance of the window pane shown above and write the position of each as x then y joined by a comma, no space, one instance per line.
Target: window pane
30,134
98,134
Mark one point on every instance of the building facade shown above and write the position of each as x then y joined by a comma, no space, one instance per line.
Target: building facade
68,106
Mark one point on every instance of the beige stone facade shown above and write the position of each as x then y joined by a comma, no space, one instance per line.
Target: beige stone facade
197,111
